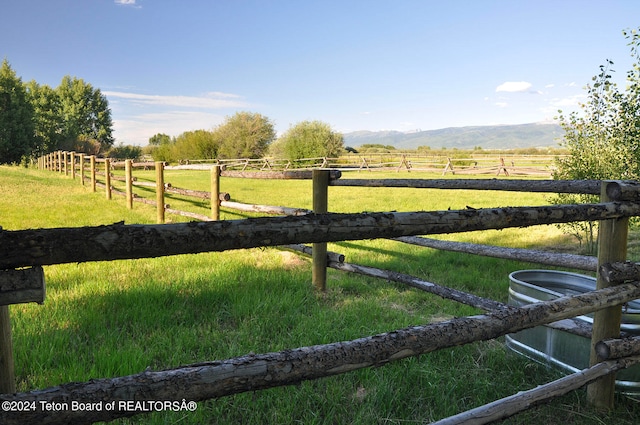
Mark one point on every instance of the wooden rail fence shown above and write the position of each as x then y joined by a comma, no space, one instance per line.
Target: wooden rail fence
26,251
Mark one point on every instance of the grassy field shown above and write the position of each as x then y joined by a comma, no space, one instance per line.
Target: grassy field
116,318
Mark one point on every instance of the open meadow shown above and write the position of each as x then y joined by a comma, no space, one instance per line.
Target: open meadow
108,319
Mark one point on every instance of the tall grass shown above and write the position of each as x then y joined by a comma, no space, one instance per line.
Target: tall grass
108,319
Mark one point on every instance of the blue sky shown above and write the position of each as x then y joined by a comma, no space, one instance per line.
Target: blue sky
172,66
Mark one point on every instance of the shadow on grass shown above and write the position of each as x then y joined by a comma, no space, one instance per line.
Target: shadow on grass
119,318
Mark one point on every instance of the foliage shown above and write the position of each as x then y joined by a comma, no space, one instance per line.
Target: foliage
159,139
311,139
369,148
84,111
74,117
160,147
16,117
244,135
125,152
198,144
603,140
48,126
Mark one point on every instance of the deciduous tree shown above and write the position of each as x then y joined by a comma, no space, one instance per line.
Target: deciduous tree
311,139
47,117
603,139
245,135
84,112
16,117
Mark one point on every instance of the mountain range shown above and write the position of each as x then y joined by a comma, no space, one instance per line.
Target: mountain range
532,135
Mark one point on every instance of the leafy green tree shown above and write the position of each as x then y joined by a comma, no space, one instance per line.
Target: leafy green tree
16,117
311,139
159,139
161,148
245,135
84,112
603,140
198,144
47,122
122,151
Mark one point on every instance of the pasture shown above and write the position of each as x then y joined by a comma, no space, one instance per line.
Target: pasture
116,318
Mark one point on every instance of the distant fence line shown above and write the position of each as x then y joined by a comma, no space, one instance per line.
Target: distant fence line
34,248
505,164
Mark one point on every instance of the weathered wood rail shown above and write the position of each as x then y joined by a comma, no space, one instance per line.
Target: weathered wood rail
21,248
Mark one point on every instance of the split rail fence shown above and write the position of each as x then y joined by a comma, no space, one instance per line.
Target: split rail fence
24,252
473,164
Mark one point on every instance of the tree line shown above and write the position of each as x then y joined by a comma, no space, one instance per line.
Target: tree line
36,119
248,135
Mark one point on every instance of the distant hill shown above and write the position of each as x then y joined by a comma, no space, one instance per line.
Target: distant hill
487,137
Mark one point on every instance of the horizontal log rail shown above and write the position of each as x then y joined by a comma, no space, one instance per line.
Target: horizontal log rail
22,248
266,209
572,326
509,406
254,372
574,261
548,186
620,272
441,291
279,175
616,348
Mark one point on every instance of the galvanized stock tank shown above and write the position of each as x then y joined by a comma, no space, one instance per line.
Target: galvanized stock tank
561,349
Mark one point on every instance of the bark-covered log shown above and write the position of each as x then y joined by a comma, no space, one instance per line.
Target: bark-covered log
22,248
623,190
573,326
280,175
581,262
524,400
618,348
619,272
266,209
253,372
148,165
190,214
222,196
547,186
442,291
22,286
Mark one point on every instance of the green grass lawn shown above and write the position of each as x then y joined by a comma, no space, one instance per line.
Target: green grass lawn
108,319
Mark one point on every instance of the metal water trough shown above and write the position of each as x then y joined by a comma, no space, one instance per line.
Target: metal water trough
563,350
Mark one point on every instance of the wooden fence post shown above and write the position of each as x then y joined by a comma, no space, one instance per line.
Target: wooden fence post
320,205
72,164
160,191
92,167
612,247
128,183
81,156
59,155
7,372
215,192
65,163
107,177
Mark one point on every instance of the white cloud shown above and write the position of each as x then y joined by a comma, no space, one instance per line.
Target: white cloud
514,86
566,104
213,100
126,3
501,104
137,129
136,117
